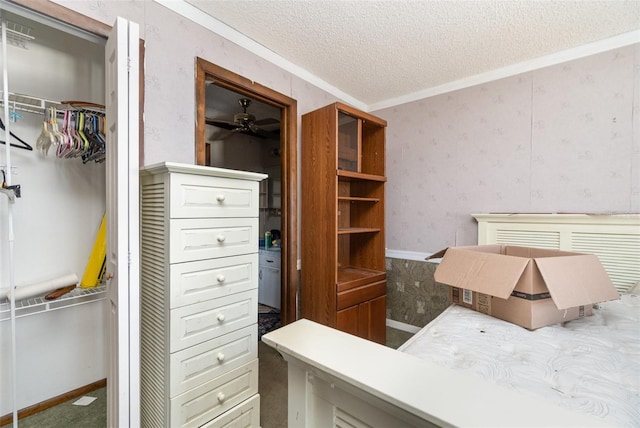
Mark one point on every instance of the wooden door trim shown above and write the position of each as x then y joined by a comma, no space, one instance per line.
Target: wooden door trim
66,15
206,70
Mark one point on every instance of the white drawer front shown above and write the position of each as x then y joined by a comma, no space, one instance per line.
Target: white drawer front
209,279
205,402
195,196
206,361
244,415
200,239
269,258
193,324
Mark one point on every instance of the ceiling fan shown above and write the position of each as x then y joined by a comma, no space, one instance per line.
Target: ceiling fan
246,123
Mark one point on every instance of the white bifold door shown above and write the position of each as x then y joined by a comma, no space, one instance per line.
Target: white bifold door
122,270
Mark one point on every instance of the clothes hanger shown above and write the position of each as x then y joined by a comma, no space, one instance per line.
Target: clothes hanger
83,145
46,137
76,145
24,145
97,147
61,137
63,149
89,132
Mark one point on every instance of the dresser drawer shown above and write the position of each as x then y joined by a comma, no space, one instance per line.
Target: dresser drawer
244,415
201,363
361,294
195,282
209,400
200,239
193,196
194,324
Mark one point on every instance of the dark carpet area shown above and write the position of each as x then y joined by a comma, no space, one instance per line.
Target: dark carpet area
268,321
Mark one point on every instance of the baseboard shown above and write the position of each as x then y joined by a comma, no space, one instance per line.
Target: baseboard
402,326
52,402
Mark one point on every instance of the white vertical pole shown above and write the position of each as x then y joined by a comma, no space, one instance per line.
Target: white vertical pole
7,132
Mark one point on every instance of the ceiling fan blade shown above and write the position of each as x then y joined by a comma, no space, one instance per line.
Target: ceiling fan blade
221,123
260,133
265,122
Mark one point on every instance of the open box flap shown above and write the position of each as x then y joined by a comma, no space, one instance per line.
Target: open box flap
437,255
576,280
493,248
483,272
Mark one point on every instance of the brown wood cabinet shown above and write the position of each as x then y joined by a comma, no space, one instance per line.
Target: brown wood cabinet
342,225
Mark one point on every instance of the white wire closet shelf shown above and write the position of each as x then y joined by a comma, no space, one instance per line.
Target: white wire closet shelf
18,35
37,105
35,305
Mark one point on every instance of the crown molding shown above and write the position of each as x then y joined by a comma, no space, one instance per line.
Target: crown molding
194,14
578,52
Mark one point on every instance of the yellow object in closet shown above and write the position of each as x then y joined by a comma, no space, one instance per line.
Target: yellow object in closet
95,266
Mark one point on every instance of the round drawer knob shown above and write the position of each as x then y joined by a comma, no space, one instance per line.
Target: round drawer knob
220,278
221,397
220,317
220,198
220,238
220,357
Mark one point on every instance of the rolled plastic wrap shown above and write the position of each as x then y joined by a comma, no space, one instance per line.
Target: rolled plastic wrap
39,288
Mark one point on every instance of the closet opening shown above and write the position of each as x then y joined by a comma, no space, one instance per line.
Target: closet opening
60,344
245,126
53,98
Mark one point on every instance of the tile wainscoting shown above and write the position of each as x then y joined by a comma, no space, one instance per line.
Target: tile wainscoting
413,296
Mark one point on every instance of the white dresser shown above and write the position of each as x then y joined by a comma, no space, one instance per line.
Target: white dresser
199,296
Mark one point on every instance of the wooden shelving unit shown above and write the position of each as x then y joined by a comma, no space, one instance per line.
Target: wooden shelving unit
342,240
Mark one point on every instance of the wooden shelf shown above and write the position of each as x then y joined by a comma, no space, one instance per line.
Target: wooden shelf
356,199
351,230
351,277
350,175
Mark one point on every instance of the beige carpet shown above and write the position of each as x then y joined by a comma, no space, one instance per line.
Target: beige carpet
272,386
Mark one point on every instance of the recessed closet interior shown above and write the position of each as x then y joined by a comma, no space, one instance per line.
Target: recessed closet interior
49,231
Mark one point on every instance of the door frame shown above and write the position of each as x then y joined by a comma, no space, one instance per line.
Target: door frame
206,70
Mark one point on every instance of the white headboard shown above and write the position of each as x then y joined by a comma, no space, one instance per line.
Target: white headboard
614,238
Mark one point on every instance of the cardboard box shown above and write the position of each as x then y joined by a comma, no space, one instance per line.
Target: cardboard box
531,287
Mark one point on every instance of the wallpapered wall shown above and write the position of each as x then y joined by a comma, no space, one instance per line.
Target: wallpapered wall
559,139
556,139
172,43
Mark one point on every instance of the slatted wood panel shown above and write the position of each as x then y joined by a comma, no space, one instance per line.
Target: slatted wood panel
153,335
618,253
529,238
615,239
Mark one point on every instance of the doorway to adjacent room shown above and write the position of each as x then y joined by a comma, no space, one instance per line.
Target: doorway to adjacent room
241,124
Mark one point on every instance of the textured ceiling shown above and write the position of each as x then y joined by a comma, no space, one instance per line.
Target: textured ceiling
382,50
